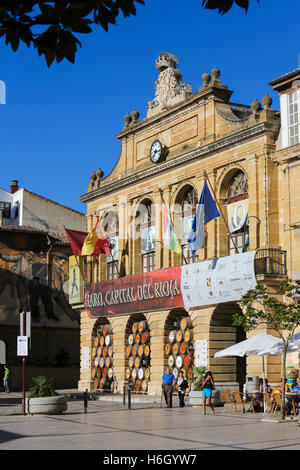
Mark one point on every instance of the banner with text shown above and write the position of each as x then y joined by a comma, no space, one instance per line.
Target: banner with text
197,284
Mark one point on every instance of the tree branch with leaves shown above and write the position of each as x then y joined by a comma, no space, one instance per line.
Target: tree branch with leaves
281,313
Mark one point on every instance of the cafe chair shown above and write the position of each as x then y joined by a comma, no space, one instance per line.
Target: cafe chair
269,403
228,400
238,400
277,400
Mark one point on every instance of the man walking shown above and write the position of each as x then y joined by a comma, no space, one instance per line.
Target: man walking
5,378
168,382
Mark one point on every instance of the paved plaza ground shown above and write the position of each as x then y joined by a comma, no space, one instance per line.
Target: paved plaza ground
111,426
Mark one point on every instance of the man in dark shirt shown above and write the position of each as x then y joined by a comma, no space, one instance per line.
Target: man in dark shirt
168,382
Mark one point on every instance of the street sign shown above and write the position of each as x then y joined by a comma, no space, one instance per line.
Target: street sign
2,352
25,324
22,346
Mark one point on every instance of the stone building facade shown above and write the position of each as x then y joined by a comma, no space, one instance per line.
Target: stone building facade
185,137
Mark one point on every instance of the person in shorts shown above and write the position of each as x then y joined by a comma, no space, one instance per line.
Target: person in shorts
208,384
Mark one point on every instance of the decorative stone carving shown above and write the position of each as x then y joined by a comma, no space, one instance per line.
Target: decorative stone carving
206,79
255,106
135,116
169,88
127,119
215,73
95,180
267,101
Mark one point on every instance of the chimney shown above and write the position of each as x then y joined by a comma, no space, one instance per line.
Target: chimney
14,186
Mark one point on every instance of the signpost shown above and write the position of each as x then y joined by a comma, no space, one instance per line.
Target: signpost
22,344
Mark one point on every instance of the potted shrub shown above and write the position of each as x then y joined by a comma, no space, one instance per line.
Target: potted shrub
43,399
197,387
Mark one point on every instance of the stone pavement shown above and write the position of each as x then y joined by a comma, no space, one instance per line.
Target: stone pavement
108,425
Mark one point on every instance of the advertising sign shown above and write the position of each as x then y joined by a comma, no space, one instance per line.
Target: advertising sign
75,280
22,346
201,353
191,285
85,357
237,213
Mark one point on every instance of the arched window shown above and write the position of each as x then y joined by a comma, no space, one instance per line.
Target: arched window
188,209
146,218
237,213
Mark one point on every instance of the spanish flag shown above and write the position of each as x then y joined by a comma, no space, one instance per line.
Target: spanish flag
95,243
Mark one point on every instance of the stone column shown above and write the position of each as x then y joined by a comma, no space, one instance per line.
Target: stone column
156,322
119,328
86,329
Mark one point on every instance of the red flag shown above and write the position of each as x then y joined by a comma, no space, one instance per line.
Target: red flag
76,240
95,242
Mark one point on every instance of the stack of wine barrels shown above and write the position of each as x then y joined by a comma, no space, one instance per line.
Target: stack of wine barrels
137,354
179,348
102,358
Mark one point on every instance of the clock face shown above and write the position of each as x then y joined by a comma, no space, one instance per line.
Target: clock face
155,151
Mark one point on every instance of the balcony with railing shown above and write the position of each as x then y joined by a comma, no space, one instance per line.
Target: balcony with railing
270,262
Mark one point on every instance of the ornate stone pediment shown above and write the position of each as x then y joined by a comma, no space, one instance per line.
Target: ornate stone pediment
169,89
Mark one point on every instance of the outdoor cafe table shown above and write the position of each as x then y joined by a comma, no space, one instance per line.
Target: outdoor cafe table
294,399
254,398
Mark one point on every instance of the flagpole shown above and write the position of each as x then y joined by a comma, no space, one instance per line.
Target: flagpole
161,195
225,221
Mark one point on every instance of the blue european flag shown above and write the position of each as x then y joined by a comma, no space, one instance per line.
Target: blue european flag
205,212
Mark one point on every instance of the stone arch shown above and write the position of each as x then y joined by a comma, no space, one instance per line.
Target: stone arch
225,177
137,353
178,344
222,334
102,355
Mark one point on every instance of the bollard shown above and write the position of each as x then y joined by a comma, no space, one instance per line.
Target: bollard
85,400
129,399
124,395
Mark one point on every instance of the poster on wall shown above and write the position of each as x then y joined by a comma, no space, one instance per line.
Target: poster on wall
75,279
201,356
85,357
237,213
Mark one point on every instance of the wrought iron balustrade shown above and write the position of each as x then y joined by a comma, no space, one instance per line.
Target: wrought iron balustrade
270,261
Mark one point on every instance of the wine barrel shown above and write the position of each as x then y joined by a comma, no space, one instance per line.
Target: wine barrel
110,350
94,372
175,349
145,338
147,350
134,373
145,361
131,384
99,331
190,348
94,351
142,326
107,340
134,350
172,336
187,360
179,362
99,372
185,322
127,374
137,362
131,339
141,373
141,350
183,371
104,372
104,351
182,348
131,362
144,385
128,350
102,382
108,361
147,373
102,340
102,362
96,383
106,329
137,338
187,336
110,373
190,373
134,327
167,349
179,336
96,341
175,372
96,361
171,360
137,385
99,351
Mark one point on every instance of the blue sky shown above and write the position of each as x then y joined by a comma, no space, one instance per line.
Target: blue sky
59,124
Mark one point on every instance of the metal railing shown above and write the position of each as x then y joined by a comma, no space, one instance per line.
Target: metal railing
270,261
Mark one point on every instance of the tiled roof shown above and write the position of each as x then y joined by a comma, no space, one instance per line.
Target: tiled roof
31,229
286,76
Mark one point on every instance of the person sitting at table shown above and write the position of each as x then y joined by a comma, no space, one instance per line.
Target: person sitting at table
278,388
296,388
267,386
